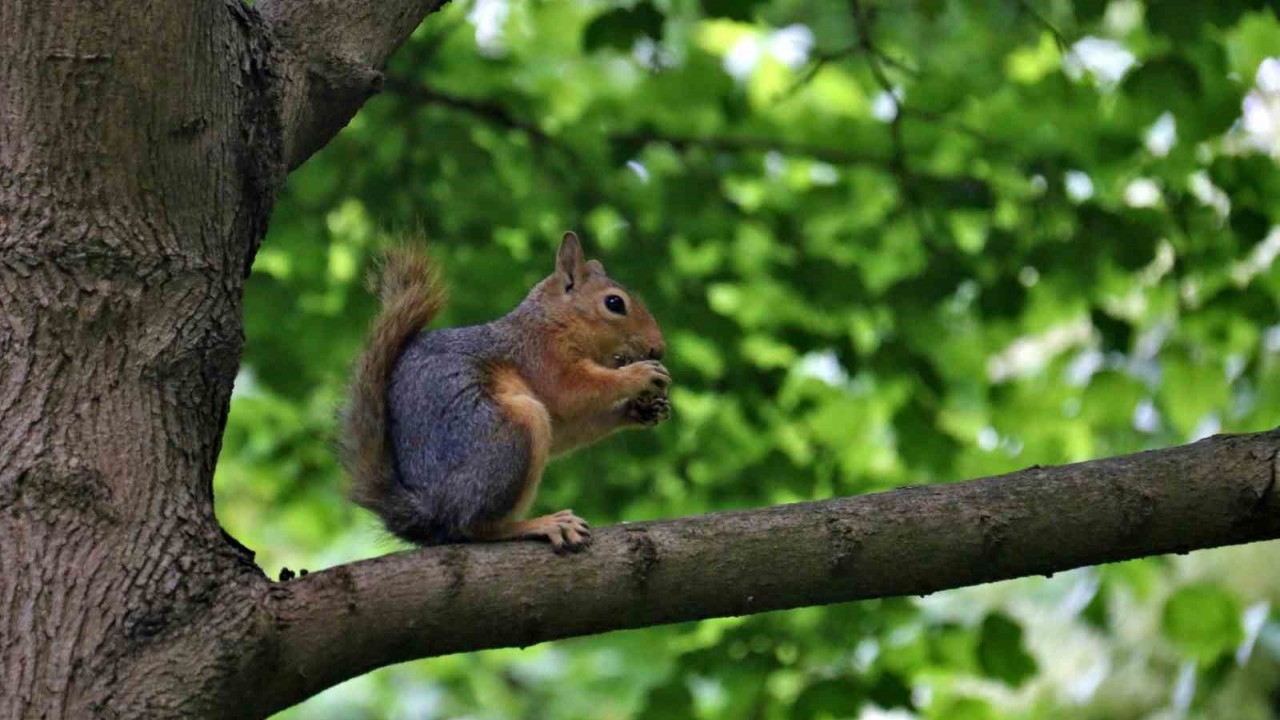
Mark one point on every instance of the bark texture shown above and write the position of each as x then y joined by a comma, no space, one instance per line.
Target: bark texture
331,59
141,147
136,173
345,621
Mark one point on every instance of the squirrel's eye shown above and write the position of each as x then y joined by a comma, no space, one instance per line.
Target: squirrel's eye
615,304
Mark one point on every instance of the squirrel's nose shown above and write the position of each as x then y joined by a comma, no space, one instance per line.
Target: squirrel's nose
655,353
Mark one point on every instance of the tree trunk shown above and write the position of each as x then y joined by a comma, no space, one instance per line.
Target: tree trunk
141,146
139,155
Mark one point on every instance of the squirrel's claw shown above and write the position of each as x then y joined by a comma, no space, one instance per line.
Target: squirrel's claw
648,377
566,531
648,410
661,378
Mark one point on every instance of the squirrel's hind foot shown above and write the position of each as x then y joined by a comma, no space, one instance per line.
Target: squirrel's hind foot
565,531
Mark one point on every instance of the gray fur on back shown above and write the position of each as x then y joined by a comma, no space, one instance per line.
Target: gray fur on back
458,459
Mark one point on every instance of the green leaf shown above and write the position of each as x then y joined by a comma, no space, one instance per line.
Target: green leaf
1001,654
1098,612
619,29
1253,40
1189,391
834,698
740,10
890,690
669,700
1203,622
1184,20
1165,83
962,708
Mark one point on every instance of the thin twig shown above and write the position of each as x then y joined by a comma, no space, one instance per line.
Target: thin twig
815,66
835,156
943,118
1063,46
493,112
862,22
822,59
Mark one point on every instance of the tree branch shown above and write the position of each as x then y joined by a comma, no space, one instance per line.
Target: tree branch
744,143
339,623
492,112
498,114
331,54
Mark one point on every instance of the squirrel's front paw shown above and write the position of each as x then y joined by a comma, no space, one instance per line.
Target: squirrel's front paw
650,377
648,410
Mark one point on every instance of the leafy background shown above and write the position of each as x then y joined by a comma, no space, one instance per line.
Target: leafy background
891,243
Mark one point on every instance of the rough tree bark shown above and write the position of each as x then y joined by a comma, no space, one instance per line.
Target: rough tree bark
141,146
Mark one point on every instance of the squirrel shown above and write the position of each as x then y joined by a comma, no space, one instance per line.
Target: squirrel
447,431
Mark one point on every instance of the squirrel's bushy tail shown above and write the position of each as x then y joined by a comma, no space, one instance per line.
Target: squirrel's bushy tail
411,291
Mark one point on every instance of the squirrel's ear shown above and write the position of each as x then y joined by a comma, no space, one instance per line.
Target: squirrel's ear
595,268
571,265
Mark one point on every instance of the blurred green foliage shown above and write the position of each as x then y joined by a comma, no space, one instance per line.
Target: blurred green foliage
890,244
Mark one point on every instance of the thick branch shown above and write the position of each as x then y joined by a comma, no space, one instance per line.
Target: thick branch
332,53
336,624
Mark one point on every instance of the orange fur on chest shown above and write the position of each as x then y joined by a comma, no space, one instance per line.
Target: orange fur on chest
575,390
569,435
521,406
582,409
